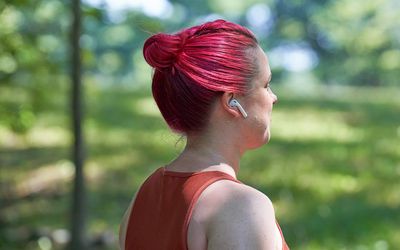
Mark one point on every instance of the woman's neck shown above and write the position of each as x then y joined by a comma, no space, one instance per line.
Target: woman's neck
200,156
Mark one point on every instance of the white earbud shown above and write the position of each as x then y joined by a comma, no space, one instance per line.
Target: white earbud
235,103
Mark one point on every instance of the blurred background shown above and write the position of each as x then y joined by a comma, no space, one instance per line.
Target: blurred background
332,167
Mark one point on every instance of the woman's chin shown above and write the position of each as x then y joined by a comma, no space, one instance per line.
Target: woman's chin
261,141
267,138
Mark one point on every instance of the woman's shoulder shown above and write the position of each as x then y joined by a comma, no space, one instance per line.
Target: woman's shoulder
225,198
227,191
236,213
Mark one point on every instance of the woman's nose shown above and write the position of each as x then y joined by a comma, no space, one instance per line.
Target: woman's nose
274,98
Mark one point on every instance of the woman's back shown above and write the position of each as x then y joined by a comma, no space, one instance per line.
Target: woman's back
197,211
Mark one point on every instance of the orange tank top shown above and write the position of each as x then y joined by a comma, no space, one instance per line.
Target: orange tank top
163,207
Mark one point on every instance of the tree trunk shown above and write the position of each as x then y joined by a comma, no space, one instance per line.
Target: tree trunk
78,234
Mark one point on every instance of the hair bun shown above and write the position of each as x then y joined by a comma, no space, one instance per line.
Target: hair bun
160,50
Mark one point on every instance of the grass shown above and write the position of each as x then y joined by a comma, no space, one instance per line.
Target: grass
332,167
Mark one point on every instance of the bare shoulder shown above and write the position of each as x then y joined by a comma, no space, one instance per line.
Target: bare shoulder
225,193
237,216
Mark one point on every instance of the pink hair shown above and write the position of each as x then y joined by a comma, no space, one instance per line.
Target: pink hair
194,66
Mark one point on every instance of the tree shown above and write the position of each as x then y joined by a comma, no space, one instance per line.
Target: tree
78,206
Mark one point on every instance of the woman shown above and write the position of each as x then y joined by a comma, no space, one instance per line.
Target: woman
211,84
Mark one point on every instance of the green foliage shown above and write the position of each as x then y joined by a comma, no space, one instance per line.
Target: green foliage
31,59
20,119
364,39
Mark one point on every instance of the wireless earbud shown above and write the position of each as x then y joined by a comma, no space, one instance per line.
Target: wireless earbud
235,103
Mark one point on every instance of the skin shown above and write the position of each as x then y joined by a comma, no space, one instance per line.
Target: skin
230,215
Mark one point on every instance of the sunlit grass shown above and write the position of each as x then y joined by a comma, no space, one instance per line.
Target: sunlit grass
331,168
313,125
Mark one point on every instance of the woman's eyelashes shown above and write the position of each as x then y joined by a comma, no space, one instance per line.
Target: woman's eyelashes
268,85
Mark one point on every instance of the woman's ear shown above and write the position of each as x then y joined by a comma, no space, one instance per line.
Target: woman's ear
225,99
